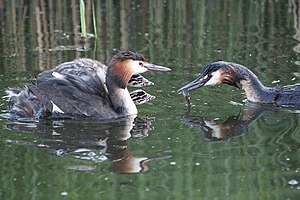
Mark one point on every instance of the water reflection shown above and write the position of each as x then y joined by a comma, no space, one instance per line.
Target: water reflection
214,128
294,9
264,164
91,140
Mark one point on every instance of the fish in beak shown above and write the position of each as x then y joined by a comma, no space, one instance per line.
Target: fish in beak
195,84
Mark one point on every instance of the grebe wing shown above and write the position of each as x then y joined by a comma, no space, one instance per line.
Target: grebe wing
69,95
83,68
289,95
292,89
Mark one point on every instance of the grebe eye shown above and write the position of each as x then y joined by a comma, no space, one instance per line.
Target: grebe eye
207,76
140,63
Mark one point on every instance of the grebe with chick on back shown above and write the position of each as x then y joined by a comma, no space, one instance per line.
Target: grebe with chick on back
83,88
239,76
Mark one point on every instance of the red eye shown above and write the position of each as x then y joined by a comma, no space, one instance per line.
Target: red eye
140,63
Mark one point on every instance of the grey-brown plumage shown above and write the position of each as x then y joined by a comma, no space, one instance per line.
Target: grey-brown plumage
83,88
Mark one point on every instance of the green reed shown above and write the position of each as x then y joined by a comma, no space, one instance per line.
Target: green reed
94,20
82,18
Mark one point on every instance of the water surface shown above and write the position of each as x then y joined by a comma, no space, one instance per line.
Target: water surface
223,148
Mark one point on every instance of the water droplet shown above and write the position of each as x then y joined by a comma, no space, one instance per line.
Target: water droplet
293,182
59,152
80,167
64,193
101,158
85,158
172,163
55,133
91,154
275,81
81,150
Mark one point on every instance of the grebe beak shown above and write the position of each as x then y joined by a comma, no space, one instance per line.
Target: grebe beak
195,84
153,67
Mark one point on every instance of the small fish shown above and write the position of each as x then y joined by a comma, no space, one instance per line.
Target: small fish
187,97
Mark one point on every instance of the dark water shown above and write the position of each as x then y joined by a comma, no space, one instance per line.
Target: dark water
222,149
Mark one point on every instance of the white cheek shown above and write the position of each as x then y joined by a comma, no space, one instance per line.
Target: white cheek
141,70
137,68
215,79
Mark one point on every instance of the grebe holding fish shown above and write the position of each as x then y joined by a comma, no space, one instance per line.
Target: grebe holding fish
241,77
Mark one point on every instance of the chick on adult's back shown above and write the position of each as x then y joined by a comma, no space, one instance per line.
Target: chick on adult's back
82,88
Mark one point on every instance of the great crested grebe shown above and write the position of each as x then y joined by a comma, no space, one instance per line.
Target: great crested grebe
241,77
140,96
138,80
82,88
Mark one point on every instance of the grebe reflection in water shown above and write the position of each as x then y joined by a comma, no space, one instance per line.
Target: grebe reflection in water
92,141
214,128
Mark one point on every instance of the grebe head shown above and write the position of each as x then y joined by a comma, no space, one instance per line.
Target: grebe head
140,96
125,64
138,80
214,74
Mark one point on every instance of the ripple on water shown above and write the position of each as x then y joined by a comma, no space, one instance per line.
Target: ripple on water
293,182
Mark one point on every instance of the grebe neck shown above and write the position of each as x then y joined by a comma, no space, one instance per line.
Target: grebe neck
121,101
119,96
254,89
